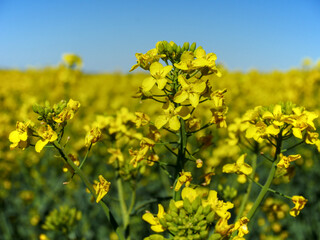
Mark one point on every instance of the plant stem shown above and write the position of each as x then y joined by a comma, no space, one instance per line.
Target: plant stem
83,177
246,196
268,182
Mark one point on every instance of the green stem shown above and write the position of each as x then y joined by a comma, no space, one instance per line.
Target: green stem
123,206
181,156
263,191
268,182
246,196
86,156
85,180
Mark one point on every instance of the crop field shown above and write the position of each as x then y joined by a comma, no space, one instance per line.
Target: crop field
178,148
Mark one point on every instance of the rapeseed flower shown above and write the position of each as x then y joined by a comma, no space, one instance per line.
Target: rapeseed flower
185,177
190,91
285,160
299,202
240,167
102,188
172,115
154,221
47,135
158,76
19,137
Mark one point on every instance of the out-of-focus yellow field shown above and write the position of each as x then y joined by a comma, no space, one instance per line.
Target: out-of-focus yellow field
31,184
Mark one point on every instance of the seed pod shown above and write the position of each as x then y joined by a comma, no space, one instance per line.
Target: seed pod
193,46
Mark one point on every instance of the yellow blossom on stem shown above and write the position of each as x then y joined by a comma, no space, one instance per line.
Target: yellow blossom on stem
145,60
93,136
154,221
190,91
222,227
285,160
301,120
158,75
19,137
68,112
206,62
299,202
185,177
221,208
72,60
102,188
116,154
240,167
186,61
276,119
141,119
171,116
47,135
242,226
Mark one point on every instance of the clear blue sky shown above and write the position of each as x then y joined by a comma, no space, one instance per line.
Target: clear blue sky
261,34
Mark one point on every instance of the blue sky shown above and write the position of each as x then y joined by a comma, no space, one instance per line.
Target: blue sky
266,35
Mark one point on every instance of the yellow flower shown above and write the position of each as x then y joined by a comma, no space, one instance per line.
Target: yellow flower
171,116
222,227
19,137
158,75
47,135
276,120
285,160
186,61
154,221
93,136
185,177
206,61
145,60
301,120
242,226
299,202
116,154
240,167
141,119
190,91
68,112
101,188
221,208
72,60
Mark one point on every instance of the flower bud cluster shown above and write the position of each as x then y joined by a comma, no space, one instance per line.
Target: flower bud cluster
62,219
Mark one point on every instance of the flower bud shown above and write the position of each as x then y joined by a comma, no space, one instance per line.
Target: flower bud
185,46
193,46
210,217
